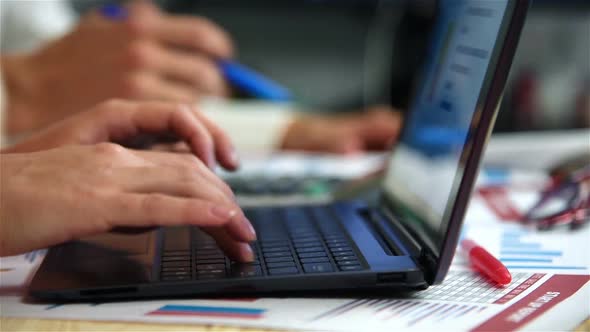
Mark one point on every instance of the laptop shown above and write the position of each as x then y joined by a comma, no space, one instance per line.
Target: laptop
403,241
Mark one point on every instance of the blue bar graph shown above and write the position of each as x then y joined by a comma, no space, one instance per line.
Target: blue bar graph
531,252
517,252
538,260
537,267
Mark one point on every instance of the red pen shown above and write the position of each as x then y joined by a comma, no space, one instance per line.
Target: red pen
485,263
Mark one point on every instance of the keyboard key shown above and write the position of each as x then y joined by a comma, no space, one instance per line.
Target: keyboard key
206,246
176,264
315,260
338,244
270,243
343,263
211,274
302,229
350,268
209,252
310,249
317,267
280,264
340,249
302,239
246,270
186,269
305,244
278,254
279,259
304,235
203,257
275,249
283,270
211,261
345,258
334,237
175,258
177,253
330,242
201,267
272,237
312,254
342,253
175,274
174,278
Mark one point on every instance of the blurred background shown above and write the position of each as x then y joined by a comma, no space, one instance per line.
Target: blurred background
343,55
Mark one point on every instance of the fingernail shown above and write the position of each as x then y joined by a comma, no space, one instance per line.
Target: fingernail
235,159
211,159
251,229
223,213
247,252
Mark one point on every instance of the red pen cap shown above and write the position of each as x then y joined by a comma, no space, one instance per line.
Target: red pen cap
487,264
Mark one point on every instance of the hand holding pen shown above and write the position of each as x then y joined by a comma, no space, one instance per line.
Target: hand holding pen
170,56
211,60
144,54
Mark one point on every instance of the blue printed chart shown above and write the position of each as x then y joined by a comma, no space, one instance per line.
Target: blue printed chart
559,251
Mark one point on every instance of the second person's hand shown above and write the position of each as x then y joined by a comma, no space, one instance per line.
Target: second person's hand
148,56
376,129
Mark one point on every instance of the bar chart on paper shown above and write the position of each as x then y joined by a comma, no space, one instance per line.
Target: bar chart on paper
560,251
463,296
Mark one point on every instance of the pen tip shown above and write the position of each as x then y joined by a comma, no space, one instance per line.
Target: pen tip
504,277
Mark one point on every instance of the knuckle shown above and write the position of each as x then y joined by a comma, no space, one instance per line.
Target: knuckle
213,36
152,203
187,173
220,197
137,25
112,103
181,111
110,149
191,162
206,73
138,54
110,107
132,86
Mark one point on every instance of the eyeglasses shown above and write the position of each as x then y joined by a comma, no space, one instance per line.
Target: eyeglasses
565,202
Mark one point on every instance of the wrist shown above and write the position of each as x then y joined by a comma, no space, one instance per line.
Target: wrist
301,133
289,138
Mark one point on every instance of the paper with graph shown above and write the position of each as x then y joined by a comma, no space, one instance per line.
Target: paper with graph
465,301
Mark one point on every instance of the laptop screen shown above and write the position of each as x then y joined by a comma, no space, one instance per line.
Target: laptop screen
427,165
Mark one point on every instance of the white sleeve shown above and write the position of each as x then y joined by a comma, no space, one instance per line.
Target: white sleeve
252,125
25,25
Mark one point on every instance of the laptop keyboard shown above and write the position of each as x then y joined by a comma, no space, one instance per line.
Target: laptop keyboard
285,185
290,241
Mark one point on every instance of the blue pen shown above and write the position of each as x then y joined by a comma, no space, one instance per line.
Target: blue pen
253,83
114,12
244,79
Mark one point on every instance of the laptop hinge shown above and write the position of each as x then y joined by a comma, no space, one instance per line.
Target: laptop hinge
376,225
422,253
